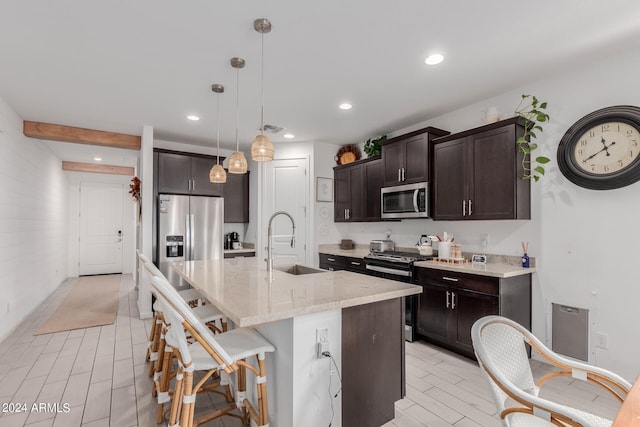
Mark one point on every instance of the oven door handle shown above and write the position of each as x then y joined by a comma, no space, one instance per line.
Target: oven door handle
388,270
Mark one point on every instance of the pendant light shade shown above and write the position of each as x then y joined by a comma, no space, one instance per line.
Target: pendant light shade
237,161
261,147
217,174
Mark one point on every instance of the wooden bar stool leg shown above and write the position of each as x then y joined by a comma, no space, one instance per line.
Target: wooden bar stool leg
242,393
153,353
261,381
188,398
163,388
176,403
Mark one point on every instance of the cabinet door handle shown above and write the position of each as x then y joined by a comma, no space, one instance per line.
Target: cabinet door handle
448,293
453,300
403,174
451,279
355,263
469,206
464,207
399,175
331,259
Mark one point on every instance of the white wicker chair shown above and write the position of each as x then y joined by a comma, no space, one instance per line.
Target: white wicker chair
229,351
499,345
158,353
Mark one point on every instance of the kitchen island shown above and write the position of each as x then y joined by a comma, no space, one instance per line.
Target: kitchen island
363,318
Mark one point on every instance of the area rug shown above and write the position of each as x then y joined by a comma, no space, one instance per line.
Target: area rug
93,301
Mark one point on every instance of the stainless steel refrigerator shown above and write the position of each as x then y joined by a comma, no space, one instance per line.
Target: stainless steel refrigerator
189,228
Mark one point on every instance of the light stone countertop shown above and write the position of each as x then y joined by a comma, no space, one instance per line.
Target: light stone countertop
248,295
501,270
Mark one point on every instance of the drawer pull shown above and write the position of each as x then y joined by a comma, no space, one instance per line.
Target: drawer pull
451,279
355,263
331,259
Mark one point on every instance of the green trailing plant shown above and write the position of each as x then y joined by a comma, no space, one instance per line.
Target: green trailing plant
533,111
372,145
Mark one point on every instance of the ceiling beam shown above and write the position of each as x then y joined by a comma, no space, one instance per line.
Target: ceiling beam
94,168
79,135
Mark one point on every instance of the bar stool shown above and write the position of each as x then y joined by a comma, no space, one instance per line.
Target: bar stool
228,350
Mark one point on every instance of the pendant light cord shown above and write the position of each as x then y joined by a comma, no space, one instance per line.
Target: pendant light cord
218,126
262,87
237,109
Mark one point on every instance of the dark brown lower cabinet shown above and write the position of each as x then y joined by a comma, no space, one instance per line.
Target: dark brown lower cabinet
373,367
451,302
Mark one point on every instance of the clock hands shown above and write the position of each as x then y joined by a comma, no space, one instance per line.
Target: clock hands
605,148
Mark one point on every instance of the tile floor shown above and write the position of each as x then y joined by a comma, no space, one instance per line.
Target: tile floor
101,375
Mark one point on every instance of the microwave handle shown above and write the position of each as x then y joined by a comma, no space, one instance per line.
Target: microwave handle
415,200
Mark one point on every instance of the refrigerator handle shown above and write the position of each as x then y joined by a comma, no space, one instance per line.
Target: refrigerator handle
191,245
187,238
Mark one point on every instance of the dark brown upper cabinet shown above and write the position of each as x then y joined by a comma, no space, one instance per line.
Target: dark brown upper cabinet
236,198
183,173
406,157
477,174
357,191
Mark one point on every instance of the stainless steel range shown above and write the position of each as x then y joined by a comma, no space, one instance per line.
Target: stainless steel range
396,265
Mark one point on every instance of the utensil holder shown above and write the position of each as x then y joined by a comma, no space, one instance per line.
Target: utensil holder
444,249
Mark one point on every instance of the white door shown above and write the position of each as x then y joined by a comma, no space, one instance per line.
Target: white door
286,188
101,217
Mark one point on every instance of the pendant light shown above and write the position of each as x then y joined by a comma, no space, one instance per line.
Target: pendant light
217,174
237,161
262,148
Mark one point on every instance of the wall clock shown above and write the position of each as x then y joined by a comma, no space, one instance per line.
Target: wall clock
601,151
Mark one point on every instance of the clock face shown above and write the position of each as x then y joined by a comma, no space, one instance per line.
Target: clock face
607,148
601,151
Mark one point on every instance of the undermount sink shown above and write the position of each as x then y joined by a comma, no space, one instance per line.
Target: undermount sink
297,269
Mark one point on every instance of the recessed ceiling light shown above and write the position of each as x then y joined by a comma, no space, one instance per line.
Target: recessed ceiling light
289,135
345,106
193,117
434,59
97,159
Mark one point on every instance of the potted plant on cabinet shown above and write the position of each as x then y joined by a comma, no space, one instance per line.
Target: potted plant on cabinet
372,145
533,111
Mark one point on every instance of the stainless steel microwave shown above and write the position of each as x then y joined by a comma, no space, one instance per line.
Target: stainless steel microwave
405,201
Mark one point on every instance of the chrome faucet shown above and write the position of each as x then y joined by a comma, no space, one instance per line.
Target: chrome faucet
270,236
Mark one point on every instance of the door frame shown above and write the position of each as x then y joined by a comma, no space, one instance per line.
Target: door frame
263,215
130,215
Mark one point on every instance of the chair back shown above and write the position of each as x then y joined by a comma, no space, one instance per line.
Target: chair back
149,266
500,348
192,323
174,321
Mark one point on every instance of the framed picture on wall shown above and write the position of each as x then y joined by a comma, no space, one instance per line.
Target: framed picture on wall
324,189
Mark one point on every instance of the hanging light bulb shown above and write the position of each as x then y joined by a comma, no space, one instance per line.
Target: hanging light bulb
237,161
261,147
217,174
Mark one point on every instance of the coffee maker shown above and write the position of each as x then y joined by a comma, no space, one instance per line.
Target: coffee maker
232,240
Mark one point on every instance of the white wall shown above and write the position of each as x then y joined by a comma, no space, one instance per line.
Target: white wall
33,222
584,240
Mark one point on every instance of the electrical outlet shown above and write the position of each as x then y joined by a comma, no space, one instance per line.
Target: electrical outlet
601,340
322,335
322,342
484,240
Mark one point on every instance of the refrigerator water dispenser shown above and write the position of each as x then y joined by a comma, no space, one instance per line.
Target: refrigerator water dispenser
175,246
